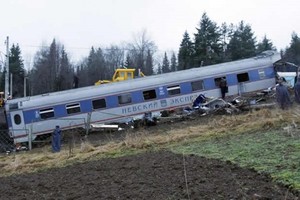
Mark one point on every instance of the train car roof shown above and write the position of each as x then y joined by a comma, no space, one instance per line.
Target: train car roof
148,82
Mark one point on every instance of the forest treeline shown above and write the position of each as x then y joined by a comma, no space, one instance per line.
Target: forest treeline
52,70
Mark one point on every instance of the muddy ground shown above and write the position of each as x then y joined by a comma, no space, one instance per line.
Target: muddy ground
152,175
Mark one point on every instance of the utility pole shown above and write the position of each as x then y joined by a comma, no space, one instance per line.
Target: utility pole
10,83
6,92
25,86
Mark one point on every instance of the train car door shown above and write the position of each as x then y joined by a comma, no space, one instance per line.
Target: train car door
17,121
241,88
242,78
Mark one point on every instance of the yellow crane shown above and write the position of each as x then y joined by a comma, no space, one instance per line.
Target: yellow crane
121,75
1,99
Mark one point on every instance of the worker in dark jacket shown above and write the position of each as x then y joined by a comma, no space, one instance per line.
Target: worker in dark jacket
297,90
56,139
282,95
224,87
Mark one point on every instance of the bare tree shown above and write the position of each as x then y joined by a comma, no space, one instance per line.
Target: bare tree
114,57
141,47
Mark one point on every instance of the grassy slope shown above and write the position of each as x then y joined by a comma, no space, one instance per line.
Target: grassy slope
273,152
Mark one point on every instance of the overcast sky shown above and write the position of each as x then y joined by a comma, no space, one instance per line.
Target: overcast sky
80,24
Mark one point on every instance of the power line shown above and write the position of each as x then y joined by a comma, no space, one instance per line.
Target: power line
88,48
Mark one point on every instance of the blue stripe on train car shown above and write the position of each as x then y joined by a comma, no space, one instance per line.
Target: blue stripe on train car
162,92
185,88
112,101
60,110
30,116
137,97
254,75
231,79
209,83
269,72
86,106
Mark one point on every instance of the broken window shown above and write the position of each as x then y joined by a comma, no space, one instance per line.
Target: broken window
218,81
149,94
244,77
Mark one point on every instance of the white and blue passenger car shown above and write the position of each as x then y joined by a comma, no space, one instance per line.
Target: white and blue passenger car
120,101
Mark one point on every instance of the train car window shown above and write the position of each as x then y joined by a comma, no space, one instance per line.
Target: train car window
149,94
124,99
261,74
13,106
73,108
47,113
218,81
197,85
99,103
173,90
243,77
17,119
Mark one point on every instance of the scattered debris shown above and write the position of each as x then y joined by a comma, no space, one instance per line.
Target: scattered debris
291,129
97,127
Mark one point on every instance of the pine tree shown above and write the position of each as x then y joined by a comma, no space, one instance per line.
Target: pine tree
292,53
208,47
149,64
185,52
53,65
226,35
159,69
128,62
96,67
264,45
40,78
16,68
173,63
65,74
242,43
166,64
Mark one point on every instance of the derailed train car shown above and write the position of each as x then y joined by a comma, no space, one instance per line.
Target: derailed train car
129,100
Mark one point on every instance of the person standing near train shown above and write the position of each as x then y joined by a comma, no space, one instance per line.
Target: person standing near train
224,87
56,139
75,81
297,90
282,95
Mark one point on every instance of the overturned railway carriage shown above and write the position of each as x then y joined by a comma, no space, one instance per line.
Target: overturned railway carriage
128,100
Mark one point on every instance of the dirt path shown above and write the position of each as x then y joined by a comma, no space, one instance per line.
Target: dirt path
152,175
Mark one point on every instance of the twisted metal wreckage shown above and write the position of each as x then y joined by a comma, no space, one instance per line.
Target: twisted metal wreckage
210,105
203,106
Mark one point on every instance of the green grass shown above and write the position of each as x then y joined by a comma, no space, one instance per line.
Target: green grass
276,153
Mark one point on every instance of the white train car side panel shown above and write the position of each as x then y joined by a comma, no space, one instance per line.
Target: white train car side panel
122,101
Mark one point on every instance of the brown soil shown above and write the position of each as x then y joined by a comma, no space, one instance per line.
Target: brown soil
152,175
